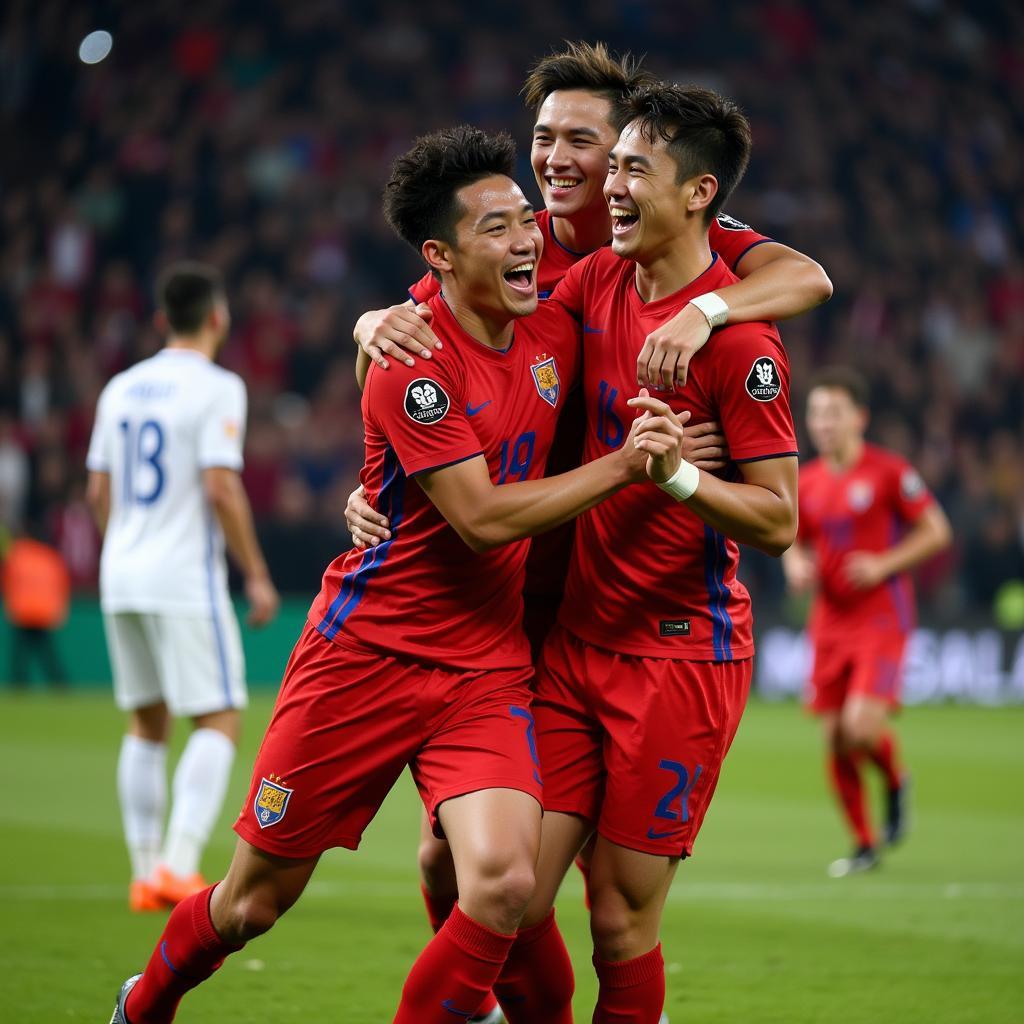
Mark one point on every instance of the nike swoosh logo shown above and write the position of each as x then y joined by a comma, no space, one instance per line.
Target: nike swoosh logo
587,329
651,834
472,410
451,1008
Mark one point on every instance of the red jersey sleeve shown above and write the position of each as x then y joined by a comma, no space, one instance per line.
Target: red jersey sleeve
751,392
910,495
421,415
425,288
569,291
732,239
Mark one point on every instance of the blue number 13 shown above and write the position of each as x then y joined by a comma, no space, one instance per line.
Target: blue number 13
143,447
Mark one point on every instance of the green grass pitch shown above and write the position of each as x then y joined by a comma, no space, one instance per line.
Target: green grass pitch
754,931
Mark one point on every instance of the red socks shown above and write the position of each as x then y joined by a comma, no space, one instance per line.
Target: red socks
536,984
188,952
886,758
845,771
454,973
631,991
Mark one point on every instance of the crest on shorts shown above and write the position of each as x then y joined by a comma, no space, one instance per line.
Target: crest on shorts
545,376
860,494
271,802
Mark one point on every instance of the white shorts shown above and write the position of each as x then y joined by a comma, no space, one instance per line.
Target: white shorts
194,664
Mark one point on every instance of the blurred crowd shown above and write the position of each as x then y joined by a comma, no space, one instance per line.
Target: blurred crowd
257,135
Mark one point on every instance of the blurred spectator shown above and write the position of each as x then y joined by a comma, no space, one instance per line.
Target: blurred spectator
36,590
888,146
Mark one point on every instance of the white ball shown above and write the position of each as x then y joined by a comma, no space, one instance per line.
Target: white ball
95,47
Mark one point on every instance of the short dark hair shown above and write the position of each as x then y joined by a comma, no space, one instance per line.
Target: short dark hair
186,292
705,132
420,199
588,66
843,378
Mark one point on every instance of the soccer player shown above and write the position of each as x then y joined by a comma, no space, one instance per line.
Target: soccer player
571,94
866,519
414,652
643,681
164,487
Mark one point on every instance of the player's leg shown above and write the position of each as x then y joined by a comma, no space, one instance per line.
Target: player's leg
142,760
874,695
537,984
479,778
669,725
629,888
209,925
440,892
204,674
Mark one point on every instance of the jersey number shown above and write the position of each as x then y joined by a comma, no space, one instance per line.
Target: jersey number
610,429
142,449
518,465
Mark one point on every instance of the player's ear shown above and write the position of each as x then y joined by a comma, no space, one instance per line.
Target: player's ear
437,253
702,190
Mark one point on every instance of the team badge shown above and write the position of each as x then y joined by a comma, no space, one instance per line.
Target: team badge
271,802
763,383
545,376
426,401
911,484
860,494
731,223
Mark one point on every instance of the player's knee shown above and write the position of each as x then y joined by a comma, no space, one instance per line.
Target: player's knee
859,734
504,886
615,928
246,916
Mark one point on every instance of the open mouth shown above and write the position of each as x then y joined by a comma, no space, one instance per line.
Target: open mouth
562,186
520,277
623,220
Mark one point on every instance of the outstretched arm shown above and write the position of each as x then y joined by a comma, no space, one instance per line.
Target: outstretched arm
776,283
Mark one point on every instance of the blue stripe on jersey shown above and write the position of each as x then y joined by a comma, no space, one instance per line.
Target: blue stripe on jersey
715,560
218,633
353,585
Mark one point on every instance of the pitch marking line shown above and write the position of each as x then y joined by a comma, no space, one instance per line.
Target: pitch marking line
707,892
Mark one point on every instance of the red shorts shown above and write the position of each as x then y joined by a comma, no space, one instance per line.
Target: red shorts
871,668
635,745
345,725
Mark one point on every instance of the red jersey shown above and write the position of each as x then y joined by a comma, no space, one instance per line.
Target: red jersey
730,238
865,508
648,577
423,593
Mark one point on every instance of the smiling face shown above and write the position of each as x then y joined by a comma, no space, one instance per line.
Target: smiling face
650,210
491,266
571,140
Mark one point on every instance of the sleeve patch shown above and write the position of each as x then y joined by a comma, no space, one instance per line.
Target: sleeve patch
731,223
911,484
763,383
426,402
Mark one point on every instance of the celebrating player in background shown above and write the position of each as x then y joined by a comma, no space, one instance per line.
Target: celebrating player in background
866,519
164,487
414,653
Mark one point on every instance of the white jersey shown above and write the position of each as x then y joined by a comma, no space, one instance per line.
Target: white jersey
158,426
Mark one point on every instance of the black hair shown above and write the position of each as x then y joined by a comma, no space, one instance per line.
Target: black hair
843,378
186,292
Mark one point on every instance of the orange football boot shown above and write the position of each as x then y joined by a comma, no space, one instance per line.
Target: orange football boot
143,897
174,888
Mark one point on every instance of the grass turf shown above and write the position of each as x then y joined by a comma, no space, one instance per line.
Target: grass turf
754,931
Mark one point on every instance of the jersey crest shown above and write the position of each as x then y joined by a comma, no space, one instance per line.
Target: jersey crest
545,377
271,803
860,494
763,383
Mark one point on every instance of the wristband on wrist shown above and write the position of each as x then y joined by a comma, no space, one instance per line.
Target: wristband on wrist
682,484
714,308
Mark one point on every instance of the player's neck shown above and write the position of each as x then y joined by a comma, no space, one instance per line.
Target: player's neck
585,233
673,268
846,457
493,330
203,346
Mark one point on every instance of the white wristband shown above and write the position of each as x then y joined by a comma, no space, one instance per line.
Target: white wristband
682,484
714,308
